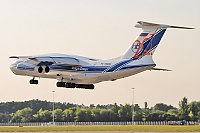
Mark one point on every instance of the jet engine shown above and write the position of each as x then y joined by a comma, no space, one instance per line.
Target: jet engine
42,69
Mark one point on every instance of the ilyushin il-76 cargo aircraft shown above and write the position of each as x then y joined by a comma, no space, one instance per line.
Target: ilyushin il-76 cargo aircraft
81,72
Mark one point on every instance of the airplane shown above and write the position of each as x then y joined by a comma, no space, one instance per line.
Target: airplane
73,71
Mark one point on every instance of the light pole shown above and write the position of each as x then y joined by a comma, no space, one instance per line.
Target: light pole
53,106
133,107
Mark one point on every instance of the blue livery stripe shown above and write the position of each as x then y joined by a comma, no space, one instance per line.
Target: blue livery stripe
118,65
95,69
26,68
137,66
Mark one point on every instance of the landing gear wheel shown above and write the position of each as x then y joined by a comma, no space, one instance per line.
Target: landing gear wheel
73,85
70,85
80,86
91,86
60,84
32,81
85,86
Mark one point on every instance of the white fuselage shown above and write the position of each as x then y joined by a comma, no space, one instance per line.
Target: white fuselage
90,71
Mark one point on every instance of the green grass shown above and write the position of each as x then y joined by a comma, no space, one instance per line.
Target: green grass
103,128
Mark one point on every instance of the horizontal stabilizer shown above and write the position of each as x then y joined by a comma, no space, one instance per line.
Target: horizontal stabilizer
160,69
142,24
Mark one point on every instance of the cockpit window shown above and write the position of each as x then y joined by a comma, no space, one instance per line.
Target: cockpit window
17,62
30,61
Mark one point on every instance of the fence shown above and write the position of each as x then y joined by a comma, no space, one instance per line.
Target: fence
94,123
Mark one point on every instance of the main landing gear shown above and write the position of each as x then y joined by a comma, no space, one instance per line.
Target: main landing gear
73,85
67,85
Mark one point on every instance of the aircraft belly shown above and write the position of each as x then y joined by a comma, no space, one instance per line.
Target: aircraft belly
92,78
82,78
40,75
65,72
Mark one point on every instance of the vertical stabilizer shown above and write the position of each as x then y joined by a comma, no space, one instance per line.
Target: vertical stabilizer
147,41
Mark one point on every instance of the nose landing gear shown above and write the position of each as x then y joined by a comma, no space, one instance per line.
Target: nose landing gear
33,81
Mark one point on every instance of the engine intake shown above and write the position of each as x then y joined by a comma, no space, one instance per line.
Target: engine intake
40,69
43,69
47,69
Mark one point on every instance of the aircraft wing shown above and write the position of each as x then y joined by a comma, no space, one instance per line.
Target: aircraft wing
160,69
58,60
55,60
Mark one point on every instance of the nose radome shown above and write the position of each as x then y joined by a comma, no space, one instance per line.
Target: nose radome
13,67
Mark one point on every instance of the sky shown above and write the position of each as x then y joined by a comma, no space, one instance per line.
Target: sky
101,29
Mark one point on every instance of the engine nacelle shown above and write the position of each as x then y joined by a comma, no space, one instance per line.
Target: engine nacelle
42,69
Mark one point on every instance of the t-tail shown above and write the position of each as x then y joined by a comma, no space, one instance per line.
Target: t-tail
148,40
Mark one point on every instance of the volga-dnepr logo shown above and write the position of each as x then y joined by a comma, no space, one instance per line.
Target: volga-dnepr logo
143,48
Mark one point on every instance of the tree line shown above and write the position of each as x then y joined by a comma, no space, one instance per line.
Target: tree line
41,111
